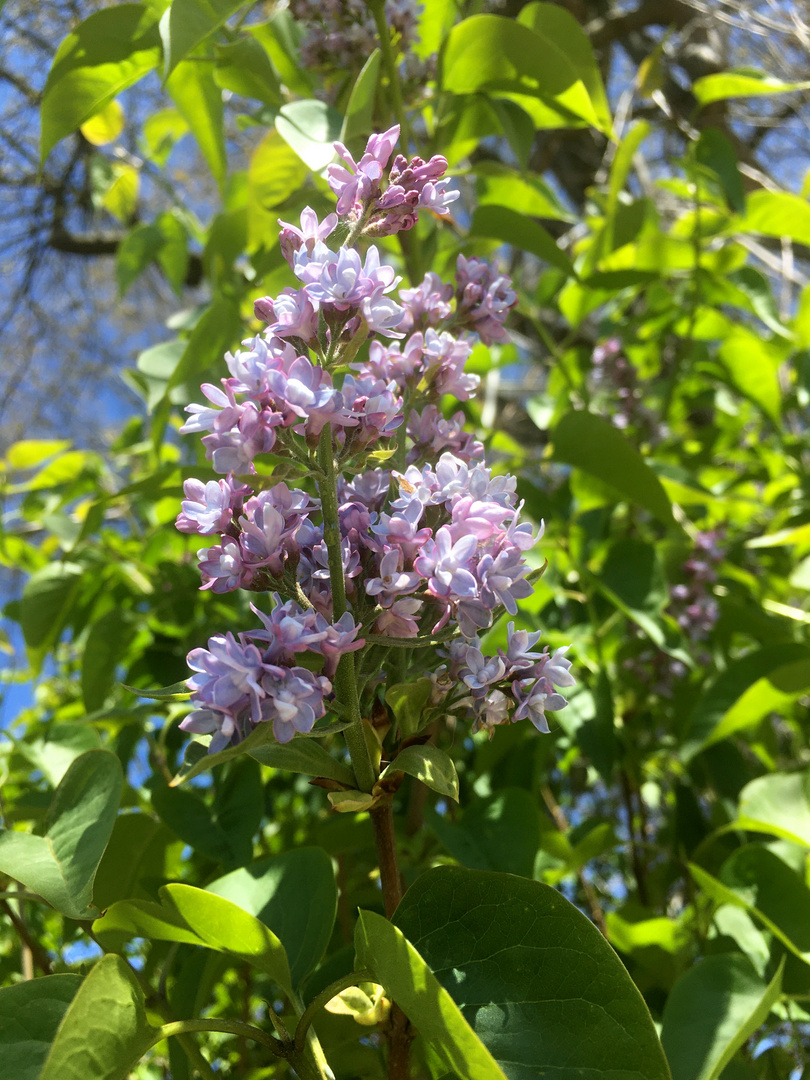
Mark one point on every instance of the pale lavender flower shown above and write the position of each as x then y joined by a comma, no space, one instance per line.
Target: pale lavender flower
223,567
393,580
206,508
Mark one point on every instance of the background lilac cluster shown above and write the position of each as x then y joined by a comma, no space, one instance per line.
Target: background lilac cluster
431,546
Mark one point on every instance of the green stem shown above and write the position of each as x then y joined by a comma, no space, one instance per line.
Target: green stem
230,1027
345,678
354,978
377,8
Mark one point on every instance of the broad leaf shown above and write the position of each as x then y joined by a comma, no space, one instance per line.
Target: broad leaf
104,1031
513,228
192,88
30,1013
105,645
396,965
594,445
217,330
726,695
710,1013
47,598
295,895
62,864
190,22
305,756
490,53
136,861
109,51
310,128
778,804
534,978
275,172
501,832
244,68
359,119
429,764
408,701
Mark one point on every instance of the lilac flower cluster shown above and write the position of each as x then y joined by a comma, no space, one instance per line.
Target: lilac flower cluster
615,376
361,556
692,602
344,32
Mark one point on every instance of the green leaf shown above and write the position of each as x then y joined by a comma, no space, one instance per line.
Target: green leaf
190,22
109,51
490,53
105,126
555,24
106,643
533,977
777,214
715,151
530,195
161,131
596,446
192,88
435,19
310,128
46,601
501,832
778,804
724,706
30,1013
136,251
195,917
274,173
396,965
244,68
61,865
216,831
514,228
741,83
710,1013
299,756
408,701
104,1032
293,894
178,691
28,453
757,880
57,748
429,764
754,370
214,333
121,197
135,861
359,119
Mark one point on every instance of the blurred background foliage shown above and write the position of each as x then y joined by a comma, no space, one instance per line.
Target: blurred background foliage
652,210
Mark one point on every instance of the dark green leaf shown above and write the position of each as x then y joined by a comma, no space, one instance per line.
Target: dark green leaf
104,648
61,865
715,151
501,832
711,1012
30,1013
46,601
176,692
295,895
135,861
398,967
534,978
596,446
514,228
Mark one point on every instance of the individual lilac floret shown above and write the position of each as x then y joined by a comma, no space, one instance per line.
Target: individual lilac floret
207,508
223,567
293,700
311,232
228,674
393,581
426,305
357,182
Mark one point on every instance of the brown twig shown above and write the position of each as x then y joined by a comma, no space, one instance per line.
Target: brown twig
560,820
399,1034
38,954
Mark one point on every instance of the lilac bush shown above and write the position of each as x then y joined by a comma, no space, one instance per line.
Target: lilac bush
408,546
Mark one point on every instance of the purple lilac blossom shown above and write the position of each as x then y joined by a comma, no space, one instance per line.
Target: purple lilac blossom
438,547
